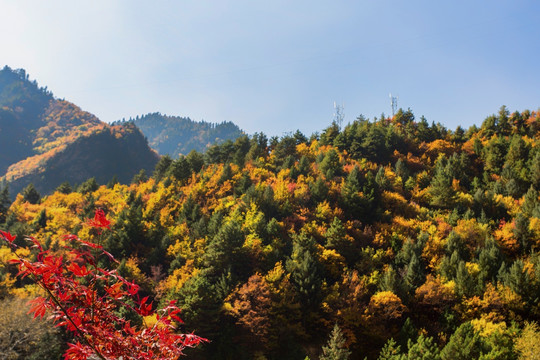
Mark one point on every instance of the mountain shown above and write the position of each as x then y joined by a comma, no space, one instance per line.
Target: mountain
46,141
174,135
401,232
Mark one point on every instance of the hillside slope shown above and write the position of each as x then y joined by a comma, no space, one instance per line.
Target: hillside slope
409,236
174,135
47,141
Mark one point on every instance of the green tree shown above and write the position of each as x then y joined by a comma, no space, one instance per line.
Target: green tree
335,349
88,186
530,202
195,160
391,351
179,169
464,344
330,165
30,194
305,271
5,202
535,171
64,188
441,191
162,167
139,177
423,349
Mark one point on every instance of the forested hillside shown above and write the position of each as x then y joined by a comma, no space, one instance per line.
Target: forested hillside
174,135
415,240
47,141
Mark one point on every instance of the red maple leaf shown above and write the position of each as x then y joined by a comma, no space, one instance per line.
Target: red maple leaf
100,220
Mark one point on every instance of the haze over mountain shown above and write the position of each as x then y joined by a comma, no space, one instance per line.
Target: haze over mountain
47,141
175,135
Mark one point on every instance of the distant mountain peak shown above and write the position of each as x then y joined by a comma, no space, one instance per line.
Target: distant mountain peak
175,135
48,141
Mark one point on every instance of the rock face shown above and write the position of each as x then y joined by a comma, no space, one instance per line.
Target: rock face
47,141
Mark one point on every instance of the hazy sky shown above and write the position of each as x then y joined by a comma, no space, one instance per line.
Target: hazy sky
277,66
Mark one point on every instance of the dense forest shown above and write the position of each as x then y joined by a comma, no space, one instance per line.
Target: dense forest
389,238
174,135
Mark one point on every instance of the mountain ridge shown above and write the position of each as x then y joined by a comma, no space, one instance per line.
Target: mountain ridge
39,133
176,135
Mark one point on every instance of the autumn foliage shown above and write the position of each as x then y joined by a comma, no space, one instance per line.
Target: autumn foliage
87,299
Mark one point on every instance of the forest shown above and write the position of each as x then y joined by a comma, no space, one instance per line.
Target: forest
174,135
389,238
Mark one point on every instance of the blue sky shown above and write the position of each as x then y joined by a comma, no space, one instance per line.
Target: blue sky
277,66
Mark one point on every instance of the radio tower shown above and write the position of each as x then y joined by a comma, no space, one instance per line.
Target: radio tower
338,114
393,102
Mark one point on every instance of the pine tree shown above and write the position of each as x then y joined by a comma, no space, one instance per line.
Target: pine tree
335,349
442,193
391,351
464,344
5,202
30,194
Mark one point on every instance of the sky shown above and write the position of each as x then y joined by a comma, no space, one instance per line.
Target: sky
278,66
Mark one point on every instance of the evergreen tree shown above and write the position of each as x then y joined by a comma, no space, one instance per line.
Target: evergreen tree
423,349
535,171
112,182
195,160
464,344
305,271
442,193
64,188
30,194
88,186
335,349
179,169
162,167
139,177
330,166
5,202
318,190
391,351
401,170
530,201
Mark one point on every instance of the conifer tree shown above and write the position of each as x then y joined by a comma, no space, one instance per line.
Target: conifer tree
4,203
442,193
30,194
335,349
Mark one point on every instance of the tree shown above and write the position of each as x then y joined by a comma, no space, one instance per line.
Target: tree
442,193
22,337
251,305
305,271
179,169
64,188
391,351
139,177
87,300
423,349
464,344
335,349
30,194
330,165
5,202
88,186
528,343
162,167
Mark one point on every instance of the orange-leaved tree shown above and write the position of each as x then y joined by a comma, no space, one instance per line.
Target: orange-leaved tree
88,299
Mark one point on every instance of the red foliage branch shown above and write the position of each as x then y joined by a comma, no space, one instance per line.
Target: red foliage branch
87,299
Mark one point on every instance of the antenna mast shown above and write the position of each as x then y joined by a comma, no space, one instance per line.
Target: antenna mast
393,103
338,114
